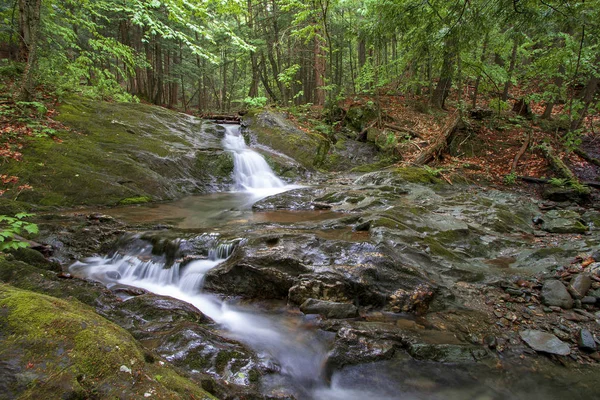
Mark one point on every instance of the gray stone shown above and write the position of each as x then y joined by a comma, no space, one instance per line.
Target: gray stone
563,221
554,293
545,342
329,309
580,286
595,293
588,300
585,341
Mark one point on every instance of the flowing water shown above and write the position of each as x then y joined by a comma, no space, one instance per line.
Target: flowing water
299,352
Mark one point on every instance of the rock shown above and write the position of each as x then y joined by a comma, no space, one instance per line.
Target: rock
446,352
329,309
585,341
554,293
588,300
580,286
596,256
545,342
595,293
563,221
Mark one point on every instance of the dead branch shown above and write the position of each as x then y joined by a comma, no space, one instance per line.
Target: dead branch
522,151
439,145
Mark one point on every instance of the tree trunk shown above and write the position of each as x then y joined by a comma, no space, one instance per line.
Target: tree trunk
482,59
319,72
511,69
558,82
588,98
445,83
29,26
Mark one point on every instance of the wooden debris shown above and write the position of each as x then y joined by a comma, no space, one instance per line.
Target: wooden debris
439,145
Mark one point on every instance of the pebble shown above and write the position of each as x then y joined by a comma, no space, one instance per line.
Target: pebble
555,294
585,341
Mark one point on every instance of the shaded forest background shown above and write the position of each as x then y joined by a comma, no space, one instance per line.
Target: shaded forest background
220,55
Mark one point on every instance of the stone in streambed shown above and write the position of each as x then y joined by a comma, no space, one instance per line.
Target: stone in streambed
545,342
329,309
585,341
554,293
580,286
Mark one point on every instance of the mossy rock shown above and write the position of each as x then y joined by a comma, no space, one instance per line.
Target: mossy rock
274,130
35,258
120,151
135,200
417,175
59,349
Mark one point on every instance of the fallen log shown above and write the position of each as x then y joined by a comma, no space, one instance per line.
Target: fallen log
439,145
557,164
532,179
412,133
587,157
522,151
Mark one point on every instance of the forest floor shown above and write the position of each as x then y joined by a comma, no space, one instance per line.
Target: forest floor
486,146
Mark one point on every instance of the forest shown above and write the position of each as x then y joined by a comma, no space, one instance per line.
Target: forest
311,200
223,55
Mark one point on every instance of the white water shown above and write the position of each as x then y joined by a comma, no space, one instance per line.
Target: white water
296,351
251,171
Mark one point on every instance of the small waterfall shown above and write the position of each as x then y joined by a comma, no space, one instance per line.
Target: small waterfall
251,171
299,353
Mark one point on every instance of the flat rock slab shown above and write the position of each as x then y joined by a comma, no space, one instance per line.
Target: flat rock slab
545,342
554,293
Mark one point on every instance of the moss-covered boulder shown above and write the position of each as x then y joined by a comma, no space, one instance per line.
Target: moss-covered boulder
53,348
121,151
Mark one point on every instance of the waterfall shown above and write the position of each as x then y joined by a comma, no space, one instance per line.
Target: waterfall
251,171
300,360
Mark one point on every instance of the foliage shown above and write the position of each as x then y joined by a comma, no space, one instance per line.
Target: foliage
511,178
255,102
11,227
434,172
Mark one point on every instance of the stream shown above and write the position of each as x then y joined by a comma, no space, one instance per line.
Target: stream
288,340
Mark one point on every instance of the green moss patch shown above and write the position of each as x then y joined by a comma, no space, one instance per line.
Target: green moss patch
71,352
135,200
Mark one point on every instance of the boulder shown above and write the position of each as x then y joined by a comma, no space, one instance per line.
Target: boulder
545,342
554,293
329,309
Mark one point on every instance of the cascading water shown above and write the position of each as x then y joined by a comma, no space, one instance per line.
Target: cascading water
251,171
299,360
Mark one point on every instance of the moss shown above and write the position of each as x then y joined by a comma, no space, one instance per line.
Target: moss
417,175
372,167
35,258
135,200
439,250
224,358
124,150
71,351
12,207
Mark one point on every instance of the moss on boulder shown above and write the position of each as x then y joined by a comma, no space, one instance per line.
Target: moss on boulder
120,151
53,347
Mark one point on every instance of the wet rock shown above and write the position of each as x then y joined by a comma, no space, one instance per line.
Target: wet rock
585,341
554,293
563,221
416,301
580,286
545,342
452,353
329,309
561,194
595,293
327,287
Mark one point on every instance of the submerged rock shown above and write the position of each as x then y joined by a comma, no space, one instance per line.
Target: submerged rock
545,342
